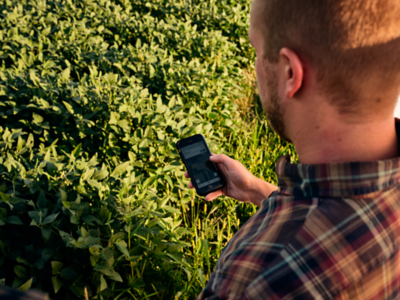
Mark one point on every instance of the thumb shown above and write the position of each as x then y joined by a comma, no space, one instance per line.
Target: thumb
213,195
219,159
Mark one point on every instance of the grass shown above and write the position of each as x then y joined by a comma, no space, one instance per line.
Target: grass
258,148
120,58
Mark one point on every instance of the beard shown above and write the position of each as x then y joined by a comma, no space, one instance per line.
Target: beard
272,107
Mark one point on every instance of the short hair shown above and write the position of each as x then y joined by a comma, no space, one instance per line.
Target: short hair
346,40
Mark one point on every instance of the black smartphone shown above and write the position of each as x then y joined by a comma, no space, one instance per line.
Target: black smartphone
195,154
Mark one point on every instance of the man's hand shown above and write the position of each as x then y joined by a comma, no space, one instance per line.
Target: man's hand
240,183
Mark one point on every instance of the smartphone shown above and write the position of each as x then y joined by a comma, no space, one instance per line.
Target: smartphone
195,154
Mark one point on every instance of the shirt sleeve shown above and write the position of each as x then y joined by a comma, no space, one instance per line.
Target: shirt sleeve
243,262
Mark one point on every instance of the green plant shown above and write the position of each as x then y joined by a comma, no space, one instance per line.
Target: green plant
93,97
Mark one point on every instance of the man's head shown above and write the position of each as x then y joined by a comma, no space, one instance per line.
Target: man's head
345,50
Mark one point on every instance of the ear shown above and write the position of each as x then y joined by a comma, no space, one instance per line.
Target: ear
293,70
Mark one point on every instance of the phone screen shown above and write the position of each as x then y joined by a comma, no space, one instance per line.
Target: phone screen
203,171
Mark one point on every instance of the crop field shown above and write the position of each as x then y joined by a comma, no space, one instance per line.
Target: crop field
94,95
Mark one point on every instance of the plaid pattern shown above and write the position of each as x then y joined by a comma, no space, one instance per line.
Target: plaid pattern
332,231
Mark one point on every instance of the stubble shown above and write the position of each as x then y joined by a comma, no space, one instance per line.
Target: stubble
272,107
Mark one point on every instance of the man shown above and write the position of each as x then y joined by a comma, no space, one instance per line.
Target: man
328,73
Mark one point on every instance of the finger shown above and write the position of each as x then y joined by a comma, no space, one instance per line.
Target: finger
217,158
187,174
213,195
191,186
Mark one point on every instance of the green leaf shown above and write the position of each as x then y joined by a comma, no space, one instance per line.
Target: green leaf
35,79
213,116
26,286
108,255
63,195
3,187
172,102
14,220
68,273
95,250
37,118
56,267
103,283
17,134
66,237
169,180
47,253
50,219
89,219
124,124
104,213
100,175
171,209
117,236
172,166
94,184
77,150
149,181
160,107
46,231
66,204
134,258
42,201
206,251
46,31
122,246
116,277
114,118
69,107
106,270
201,277
138,164
57,284
65,74
121,169
177,260
80,244
3,248
137,283
91,240
88,174
144,143
3,213
151,71
5,197
20,271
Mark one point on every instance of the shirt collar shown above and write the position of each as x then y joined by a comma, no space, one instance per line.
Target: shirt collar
353,179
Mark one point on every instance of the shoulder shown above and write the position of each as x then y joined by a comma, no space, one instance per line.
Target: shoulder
257,244
339,242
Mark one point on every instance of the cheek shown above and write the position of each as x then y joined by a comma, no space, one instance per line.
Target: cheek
261,77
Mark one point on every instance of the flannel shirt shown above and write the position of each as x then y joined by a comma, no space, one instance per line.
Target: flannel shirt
331,231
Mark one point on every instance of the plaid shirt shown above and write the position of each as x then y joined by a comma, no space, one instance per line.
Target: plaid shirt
331,231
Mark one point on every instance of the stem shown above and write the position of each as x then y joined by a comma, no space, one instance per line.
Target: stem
129,243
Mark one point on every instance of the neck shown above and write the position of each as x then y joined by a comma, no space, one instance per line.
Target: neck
331,141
